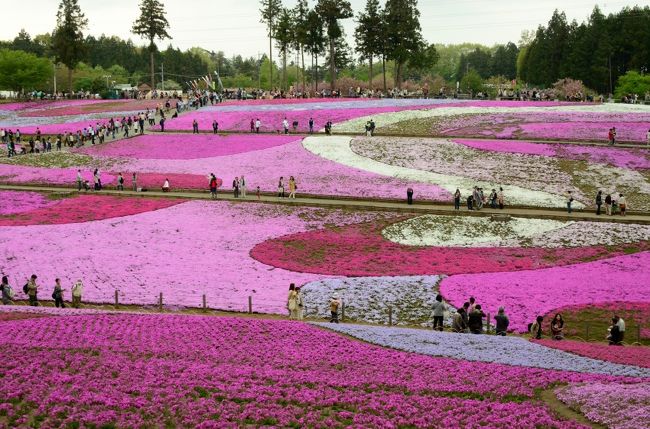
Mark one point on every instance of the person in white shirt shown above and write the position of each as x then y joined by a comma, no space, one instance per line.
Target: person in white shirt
165,187
622,204
285,125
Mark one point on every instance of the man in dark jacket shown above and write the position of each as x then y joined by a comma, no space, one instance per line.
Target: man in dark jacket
476,320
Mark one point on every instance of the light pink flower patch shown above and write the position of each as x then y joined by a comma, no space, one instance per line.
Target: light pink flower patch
618,157
526,294
626,131
91,106
186,146
12,202
40,175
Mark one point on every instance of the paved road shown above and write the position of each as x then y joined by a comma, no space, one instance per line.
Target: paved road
361,204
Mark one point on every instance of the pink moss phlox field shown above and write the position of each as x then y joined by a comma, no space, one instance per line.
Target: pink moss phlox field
186,146
613,405
92,106
85,208
41,175
618,157
183,251
629,355
361,250
314,175
209,372
626,131
12,202
40,105
526,294
271,121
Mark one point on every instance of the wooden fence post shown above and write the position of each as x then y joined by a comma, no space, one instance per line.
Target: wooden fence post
117,299
160,302
250,305
390,316
205,303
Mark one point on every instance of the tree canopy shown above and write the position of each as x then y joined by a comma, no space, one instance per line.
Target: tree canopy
22,71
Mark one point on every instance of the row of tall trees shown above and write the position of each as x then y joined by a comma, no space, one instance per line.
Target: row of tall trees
391,32
596,52
498,61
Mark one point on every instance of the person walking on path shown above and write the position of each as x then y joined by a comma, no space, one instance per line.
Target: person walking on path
281,188
300,302
215,127
6,292
622,204
311,127
569,201
166,187
502,322
242,187
292,187
335,304
285,125
57,295
213,186
252,125
77,291
235,187
409,196
134,182
258,125
438,313
608,204
599,202
31,288
195,127
120,182
457,197
80,180
501,199
162,125
292,302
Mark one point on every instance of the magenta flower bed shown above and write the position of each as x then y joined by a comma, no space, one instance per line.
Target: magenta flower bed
40,175
271,121
12,202
92,106
361,250
186,146
85,208
62,128
34,105
632,355
626,131
208,372
618,157
526,294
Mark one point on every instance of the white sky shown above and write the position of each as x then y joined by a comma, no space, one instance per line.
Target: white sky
233,26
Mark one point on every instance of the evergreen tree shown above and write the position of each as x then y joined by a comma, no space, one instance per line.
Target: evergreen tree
331,12
151,25
68,39
368,35
315,42
284,38
301,31
403,34
269,11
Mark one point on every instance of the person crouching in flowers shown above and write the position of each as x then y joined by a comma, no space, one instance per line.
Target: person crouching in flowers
335,304
77,290
292,302
502,322
557,327
458,324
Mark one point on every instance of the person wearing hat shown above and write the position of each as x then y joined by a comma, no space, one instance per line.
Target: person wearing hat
77,290
502,322
335,304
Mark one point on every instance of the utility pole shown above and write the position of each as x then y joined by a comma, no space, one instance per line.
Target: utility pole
162,75
107,76
259,72
610,74
54,67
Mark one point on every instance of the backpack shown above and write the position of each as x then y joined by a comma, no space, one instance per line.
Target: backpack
26,288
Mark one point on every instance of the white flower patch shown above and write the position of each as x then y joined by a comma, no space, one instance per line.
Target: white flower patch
465,231
367,299
514,351
337,149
